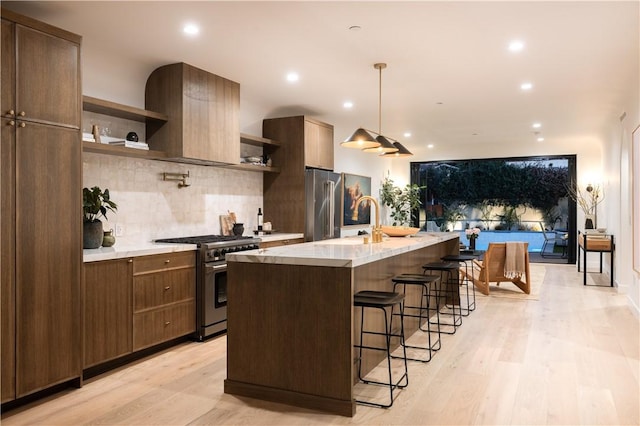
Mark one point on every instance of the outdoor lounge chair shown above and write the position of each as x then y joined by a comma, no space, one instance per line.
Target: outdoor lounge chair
492,269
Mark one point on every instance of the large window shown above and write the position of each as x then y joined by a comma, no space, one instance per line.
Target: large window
526,194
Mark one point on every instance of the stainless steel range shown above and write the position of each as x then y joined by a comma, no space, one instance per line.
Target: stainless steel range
211,278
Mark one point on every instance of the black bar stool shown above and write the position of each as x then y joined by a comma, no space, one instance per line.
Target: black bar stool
421,312
467,261
448,291
381,300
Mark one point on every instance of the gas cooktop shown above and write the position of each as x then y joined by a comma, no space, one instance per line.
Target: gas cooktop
204,239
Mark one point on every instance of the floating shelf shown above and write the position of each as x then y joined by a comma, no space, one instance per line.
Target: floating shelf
113,109
122,151
254,168
258,141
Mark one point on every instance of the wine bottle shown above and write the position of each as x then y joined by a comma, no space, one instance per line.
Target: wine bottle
259,219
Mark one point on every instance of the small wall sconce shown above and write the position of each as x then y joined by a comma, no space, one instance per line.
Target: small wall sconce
181,177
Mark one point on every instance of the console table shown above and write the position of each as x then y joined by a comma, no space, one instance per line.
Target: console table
599,243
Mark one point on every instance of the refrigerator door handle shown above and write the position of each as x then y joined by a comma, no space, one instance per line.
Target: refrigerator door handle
329,193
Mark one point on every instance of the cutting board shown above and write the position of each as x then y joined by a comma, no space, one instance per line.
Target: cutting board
226,224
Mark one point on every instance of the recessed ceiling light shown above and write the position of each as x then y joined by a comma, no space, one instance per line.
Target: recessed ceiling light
540,139
526,86
536,125
407,134
292,77
430,146
348,104
516,45
191,29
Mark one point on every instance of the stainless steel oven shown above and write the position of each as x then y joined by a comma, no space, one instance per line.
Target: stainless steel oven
211,278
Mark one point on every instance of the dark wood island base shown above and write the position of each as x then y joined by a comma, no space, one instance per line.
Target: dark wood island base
291,327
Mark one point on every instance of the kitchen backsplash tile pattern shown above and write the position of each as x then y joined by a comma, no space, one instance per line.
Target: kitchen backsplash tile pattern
150,208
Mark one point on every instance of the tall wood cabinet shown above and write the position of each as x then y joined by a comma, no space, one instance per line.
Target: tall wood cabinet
41,222
305,142
203,111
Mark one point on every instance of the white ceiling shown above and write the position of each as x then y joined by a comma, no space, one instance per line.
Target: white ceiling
582,58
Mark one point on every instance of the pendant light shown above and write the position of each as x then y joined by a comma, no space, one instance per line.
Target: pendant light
385,145
401,151
363,138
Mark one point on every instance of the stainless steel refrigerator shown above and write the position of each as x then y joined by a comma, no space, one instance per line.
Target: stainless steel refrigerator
322,205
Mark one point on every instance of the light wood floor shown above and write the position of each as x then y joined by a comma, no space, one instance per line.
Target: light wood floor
571,357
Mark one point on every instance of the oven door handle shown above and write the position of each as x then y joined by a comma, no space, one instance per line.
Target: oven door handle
215,267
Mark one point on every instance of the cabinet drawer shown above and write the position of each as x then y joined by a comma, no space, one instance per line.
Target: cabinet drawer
153,290
163,262
162,324
279,243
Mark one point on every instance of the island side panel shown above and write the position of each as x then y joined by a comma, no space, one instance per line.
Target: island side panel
289,336
377,276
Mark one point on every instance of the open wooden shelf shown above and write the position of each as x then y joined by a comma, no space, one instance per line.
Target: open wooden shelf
113,109
258,141
122,151
254,168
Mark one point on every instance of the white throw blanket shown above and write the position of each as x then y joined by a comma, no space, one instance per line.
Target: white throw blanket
514,263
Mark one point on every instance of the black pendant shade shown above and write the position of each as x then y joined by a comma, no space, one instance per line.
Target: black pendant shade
385,146
361,139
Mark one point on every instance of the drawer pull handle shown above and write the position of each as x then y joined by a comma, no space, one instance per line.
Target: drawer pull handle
167,323
22,125
22,114
167,261
11,112
167,288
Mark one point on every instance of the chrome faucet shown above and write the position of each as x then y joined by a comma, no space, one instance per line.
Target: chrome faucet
377,229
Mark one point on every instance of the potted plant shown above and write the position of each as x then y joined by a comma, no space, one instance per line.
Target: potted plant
95,203
401,201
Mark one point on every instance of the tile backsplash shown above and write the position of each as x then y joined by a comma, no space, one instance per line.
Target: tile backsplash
151,208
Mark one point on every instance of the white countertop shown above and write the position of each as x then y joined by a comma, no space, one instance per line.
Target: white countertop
140,249
119,251
278,237
340,252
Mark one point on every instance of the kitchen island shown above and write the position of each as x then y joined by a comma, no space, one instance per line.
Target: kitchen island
291,321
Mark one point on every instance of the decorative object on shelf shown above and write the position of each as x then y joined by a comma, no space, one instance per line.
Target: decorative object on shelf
132,136
401,201
588,202
96,133
95,203
108,240
181,177
382,145
472,234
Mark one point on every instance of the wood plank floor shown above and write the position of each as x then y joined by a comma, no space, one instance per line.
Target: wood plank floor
571,357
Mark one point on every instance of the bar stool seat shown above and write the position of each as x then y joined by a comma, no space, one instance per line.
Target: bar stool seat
465,259
421,312
449,289
381,300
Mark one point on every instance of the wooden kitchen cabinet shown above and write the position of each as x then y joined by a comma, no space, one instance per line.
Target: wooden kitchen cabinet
203,111
41,244
164,288
108,313
304,142
318,144
269,244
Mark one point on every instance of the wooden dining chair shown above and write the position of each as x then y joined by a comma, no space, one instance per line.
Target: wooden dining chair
491,269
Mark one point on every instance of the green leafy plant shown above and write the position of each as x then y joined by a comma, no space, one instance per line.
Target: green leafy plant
401,201
96,203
